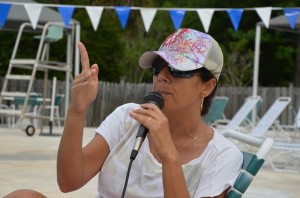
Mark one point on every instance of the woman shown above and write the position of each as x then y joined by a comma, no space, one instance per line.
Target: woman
181,155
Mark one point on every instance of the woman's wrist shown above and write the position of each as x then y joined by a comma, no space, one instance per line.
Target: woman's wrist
170,157
72,111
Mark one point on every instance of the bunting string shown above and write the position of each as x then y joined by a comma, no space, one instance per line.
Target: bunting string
176,14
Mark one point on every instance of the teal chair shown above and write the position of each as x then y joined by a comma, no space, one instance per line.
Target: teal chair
216,111
32,103
56,107
249,116
54,34
57,103
31,111
252,161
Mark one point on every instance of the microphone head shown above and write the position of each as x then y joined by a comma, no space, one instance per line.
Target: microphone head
155,98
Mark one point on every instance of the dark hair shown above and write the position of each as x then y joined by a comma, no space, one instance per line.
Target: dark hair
205,76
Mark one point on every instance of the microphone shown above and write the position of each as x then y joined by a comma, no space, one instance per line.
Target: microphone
153,98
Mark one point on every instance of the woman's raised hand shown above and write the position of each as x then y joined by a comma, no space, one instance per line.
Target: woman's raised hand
85,85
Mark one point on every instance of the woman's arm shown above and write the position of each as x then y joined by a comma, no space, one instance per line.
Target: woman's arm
77,165
173,179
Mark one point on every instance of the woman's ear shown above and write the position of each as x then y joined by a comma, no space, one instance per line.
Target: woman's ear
209,87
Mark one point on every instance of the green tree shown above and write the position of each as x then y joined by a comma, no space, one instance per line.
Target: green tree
117,51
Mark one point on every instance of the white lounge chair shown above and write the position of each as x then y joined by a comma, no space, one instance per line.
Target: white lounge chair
270,117
286,157
241,117
295,126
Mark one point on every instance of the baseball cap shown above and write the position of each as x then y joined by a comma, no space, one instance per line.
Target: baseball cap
188,49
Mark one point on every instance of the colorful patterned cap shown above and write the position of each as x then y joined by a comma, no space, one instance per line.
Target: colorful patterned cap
186,50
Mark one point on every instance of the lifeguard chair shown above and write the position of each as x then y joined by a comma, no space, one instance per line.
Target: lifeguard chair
51,32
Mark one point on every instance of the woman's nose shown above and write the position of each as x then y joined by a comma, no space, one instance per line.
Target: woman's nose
164,75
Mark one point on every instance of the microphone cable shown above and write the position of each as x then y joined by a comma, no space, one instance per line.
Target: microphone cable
127,177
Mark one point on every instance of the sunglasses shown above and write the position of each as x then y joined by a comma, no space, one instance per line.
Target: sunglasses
156,69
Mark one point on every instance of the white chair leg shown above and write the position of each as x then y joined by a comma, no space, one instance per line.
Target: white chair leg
57,116
8,121
13,117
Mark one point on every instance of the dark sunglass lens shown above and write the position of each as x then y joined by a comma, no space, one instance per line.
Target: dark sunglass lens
155,70
180,74
158,65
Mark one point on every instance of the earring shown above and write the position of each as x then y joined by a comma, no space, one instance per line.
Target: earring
201,106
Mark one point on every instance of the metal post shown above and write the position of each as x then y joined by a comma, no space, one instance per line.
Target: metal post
256,69
69,62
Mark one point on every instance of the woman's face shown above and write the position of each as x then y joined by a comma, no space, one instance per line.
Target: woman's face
181,93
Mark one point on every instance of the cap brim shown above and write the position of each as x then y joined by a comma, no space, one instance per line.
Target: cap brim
173,58
147,59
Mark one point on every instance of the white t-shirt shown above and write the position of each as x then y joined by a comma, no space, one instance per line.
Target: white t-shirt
208,175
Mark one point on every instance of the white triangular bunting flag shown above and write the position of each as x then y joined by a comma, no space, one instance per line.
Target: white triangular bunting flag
148,15
95,13
264,14
205,16
34,12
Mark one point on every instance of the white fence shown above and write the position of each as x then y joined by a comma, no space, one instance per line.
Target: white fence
111,95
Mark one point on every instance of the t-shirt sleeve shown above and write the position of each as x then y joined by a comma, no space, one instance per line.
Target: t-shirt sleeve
221,171
112,128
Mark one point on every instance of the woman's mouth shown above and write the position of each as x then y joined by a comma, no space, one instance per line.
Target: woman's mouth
164,92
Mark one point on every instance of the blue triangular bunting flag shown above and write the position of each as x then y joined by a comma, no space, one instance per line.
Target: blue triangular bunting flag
235,17
4,10
177,17
292,16
123,14
66,13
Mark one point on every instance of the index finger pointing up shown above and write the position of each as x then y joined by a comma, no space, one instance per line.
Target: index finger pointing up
85,62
